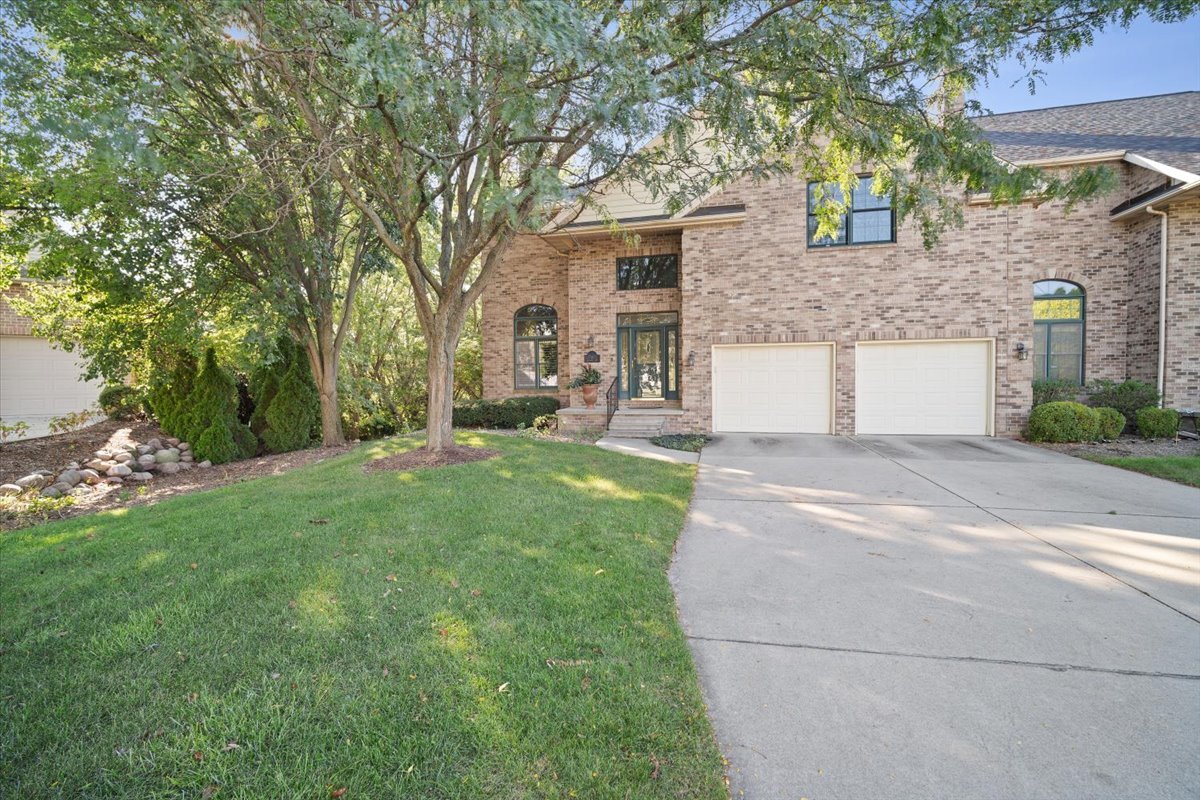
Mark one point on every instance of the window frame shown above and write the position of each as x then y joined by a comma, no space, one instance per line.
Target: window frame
1049,325
848,216
538,342
617,275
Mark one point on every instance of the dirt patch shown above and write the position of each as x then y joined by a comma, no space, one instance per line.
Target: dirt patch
425,459
1129,446
18,459
103,497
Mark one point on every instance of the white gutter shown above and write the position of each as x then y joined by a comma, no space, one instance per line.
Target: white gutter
1171,194
1174,173
1162,303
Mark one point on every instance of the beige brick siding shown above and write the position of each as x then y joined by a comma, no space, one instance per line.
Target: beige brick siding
12,323
757,281
1182,388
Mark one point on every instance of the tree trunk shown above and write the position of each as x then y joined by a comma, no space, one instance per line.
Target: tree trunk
439,417
323,361
331,415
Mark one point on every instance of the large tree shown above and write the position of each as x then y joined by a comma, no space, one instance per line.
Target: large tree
481,119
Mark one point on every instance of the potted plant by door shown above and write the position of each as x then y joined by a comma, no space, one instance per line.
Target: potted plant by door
589,381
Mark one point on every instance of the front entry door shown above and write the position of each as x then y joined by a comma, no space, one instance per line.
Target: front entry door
648,356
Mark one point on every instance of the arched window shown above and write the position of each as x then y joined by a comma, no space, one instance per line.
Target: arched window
1058,331
535,347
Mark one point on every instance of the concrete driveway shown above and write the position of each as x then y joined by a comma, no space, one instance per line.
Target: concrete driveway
921,617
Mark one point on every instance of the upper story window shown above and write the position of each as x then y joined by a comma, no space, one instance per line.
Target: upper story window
648,272
1058,331
535,347
870,219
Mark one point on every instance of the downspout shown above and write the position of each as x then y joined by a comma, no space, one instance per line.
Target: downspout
1162,305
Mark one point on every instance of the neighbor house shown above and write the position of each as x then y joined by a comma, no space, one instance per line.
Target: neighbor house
731,316
37,381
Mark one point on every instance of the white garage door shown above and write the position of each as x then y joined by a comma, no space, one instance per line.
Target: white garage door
784,388
38,382
933,387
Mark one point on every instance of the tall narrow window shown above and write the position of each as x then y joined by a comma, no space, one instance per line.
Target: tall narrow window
535,347
869,219
1058,331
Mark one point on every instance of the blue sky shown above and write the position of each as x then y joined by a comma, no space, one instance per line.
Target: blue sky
1147,58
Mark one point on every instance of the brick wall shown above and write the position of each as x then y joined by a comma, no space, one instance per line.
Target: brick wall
12,323
759,282
1182,388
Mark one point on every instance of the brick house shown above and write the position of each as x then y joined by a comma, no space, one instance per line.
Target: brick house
729,316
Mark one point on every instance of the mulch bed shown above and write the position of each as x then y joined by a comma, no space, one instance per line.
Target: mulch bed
18,459
1130,446
425,459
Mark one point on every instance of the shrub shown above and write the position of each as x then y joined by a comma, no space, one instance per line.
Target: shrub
1127,397
687,442
503,413
1047,391
267,388
216,444
379,423
247,443
1112,423
292,412
1063,421
1158,423
210,419
120,401
168,400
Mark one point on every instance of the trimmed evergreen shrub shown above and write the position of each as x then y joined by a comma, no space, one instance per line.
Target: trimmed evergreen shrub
507,413
267,388
168,401
1063,421
1158,423
120,401
292,411
1128,397
1112,423
246,441
216,444
1051,391
210,421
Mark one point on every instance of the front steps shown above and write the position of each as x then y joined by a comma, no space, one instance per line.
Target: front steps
641,423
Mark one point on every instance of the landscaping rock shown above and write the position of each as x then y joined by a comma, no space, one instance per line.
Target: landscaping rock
9,489
184,446
51,491
35,480
123,458
170,468
114,480
185,465
98,464
90,476
185,457
172,441
143,449
103,454
140,476
168,456
145,459
62,488
205,464
70,477
155,444
119,471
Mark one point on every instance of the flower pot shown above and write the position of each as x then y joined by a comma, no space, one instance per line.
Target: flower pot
590,390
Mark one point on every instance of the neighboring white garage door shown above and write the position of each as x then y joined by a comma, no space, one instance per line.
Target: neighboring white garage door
773,388
38,382
933,387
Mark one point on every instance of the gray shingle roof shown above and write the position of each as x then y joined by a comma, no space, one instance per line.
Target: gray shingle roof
1165,128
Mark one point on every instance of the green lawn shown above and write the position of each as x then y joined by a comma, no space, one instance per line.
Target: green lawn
1181,469
498,629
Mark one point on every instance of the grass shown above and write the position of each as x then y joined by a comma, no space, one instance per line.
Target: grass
1181,469
497,629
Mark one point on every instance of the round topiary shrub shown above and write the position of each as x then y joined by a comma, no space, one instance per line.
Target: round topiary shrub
1063,421
1158,423
292,413
217,445
1112,423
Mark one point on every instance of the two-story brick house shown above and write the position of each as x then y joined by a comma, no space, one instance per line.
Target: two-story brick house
731,316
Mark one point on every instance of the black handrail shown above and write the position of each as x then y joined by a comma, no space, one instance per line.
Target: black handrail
611,401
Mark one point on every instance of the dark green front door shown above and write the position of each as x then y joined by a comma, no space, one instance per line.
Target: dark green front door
648,356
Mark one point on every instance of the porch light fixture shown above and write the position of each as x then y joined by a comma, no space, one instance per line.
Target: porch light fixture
1022,351
592,341
591,357
691,358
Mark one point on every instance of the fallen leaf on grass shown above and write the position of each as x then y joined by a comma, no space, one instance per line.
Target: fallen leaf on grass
385,672
654,773
321,521
338,792
230,746
291,603
598,572
274,676
454,583
194,565
209,791
390,578
475,593
502,688
566,662
198,756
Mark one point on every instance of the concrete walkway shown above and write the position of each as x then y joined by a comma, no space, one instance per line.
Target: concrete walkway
643,449
920,617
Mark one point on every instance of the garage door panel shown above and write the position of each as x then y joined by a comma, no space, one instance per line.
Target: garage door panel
772,388
927,387
38,381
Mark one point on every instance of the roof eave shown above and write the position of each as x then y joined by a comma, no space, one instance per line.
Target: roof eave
1175,193
640,226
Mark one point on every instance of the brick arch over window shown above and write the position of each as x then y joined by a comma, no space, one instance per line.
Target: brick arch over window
1059,330
535,347
1067,275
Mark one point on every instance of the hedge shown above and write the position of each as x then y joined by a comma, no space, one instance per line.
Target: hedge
510,413
1063,421
1158,423
1112,423
1128,397
120,402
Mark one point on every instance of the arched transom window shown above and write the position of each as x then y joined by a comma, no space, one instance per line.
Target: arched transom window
1058,331
535,347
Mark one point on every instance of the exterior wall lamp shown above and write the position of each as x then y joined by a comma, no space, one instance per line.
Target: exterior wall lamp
1022,351
691,358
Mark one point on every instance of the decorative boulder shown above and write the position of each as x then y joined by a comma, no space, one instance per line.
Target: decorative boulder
119,471
70,477
143,449
61,487
169,456
90,476
123,458
98,464
186,457
185,465
34,480
102,454
205,464
9,489
147,458
51,491
140,476
155,444
170,468
183,446
113,480
172,441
